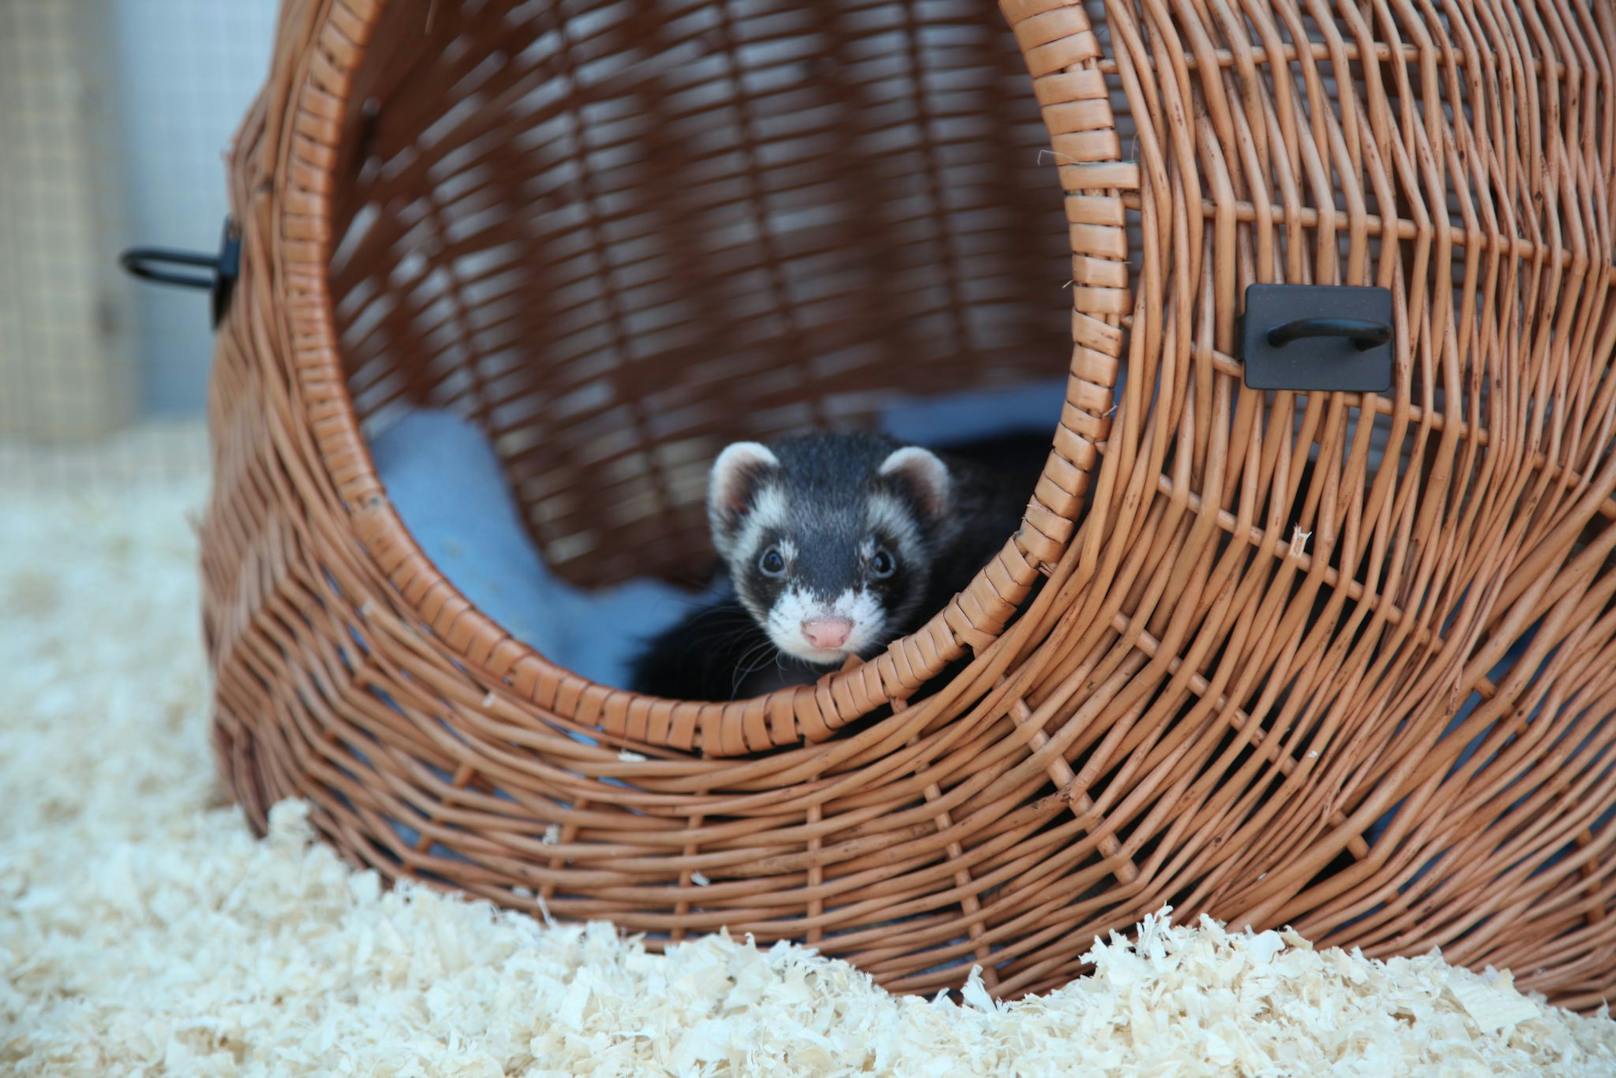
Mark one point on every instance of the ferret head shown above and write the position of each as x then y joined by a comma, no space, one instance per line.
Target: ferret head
829,538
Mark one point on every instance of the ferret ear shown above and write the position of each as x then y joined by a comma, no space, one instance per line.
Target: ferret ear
924,473
733,485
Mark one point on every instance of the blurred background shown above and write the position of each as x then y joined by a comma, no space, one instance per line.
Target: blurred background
115,118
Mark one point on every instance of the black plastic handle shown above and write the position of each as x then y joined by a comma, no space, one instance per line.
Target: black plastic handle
1363,333
145,263
151,264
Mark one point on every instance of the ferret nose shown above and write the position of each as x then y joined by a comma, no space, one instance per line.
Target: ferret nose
827,633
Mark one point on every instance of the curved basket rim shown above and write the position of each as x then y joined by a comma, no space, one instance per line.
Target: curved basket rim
1063,60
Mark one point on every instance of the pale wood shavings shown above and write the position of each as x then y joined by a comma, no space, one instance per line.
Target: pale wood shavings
141,927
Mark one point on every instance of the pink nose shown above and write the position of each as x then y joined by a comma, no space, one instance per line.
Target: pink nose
827,632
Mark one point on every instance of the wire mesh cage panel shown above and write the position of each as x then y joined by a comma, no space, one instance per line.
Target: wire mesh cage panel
115,116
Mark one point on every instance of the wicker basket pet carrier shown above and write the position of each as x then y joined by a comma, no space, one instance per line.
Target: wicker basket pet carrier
1339,659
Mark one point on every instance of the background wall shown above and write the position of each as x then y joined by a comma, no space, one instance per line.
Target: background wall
114,119
186,72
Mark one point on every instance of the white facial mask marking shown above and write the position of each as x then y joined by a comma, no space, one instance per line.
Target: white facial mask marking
768,512
890,517
795,606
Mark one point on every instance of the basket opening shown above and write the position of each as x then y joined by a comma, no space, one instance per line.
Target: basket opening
619,237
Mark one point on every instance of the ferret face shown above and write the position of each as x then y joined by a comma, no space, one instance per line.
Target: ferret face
827,538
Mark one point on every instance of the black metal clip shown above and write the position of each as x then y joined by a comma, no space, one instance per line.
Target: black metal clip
151,264
1335,338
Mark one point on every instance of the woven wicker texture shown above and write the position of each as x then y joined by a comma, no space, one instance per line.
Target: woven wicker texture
618,235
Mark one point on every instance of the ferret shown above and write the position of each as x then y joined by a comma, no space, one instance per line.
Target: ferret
835,544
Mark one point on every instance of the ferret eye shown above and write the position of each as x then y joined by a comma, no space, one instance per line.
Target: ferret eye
882,563
773,563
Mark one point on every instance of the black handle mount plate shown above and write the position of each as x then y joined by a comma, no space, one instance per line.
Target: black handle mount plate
1318,338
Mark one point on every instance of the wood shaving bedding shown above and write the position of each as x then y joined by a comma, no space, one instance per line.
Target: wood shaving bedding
142,929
